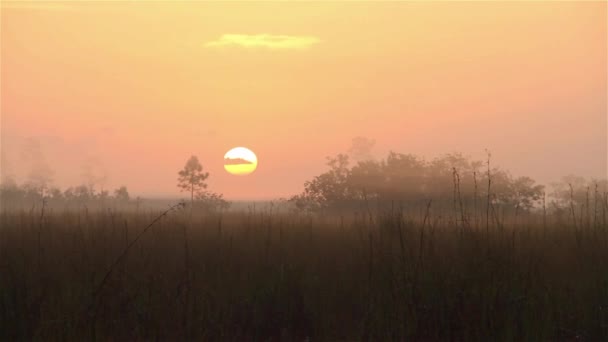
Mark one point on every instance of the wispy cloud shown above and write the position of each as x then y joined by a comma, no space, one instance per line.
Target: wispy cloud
268,41
236,161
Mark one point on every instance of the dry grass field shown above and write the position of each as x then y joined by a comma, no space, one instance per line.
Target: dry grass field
374,274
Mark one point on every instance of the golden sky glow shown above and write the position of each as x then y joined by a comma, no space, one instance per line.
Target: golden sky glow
135,88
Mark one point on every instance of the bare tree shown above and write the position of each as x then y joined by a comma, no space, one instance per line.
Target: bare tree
192,178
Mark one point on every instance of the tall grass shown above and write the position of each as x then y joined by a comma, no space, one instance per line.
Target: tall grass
376,273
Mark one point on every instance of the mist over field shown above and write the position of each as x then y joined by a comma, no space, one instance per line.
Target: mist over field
310,171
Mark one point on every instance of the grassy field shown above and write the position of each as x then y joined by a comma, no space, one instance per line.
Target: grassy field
267,274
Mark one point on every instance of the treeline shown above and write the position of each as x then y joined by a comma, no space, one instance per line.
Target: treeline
464,187
38,190
28,196
16,196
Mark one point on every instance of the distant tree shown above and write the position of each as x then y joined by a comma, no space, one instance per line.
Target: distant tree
212,201
192,178
328,189
83,193
405,176
68,194
361,148
400,178
569,188
368,178
122,194
55,194
581,193
10,193
102,195
526,193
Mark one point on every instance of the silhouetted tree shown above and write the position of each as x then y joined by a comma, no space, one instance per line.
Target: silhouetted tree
448,179
55,194
192,178
212,201
561,194
122,194
10,193
83,193
329,189
525,193
587,197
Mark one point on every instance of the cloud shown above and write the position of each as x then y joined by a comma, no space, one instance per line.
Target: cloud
268,41
236,161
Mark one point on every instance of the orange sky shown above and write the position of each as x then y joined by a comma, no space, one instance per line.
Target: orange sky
136,88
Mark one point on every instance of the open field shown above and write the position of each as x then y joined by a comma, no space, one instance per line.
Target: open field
380,274
303,170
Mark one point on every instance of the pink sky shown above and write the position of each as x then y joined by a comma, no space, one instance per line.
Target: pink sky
133,89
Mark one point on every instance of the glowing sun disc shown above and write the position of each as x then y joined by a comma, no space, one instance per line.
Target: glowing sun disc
240,161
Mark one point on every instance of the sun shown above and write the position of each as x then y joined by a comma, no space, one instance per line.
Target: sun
240,161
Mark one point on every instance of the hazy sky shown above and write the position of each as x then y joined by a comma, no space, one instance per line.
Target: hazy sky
131,90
